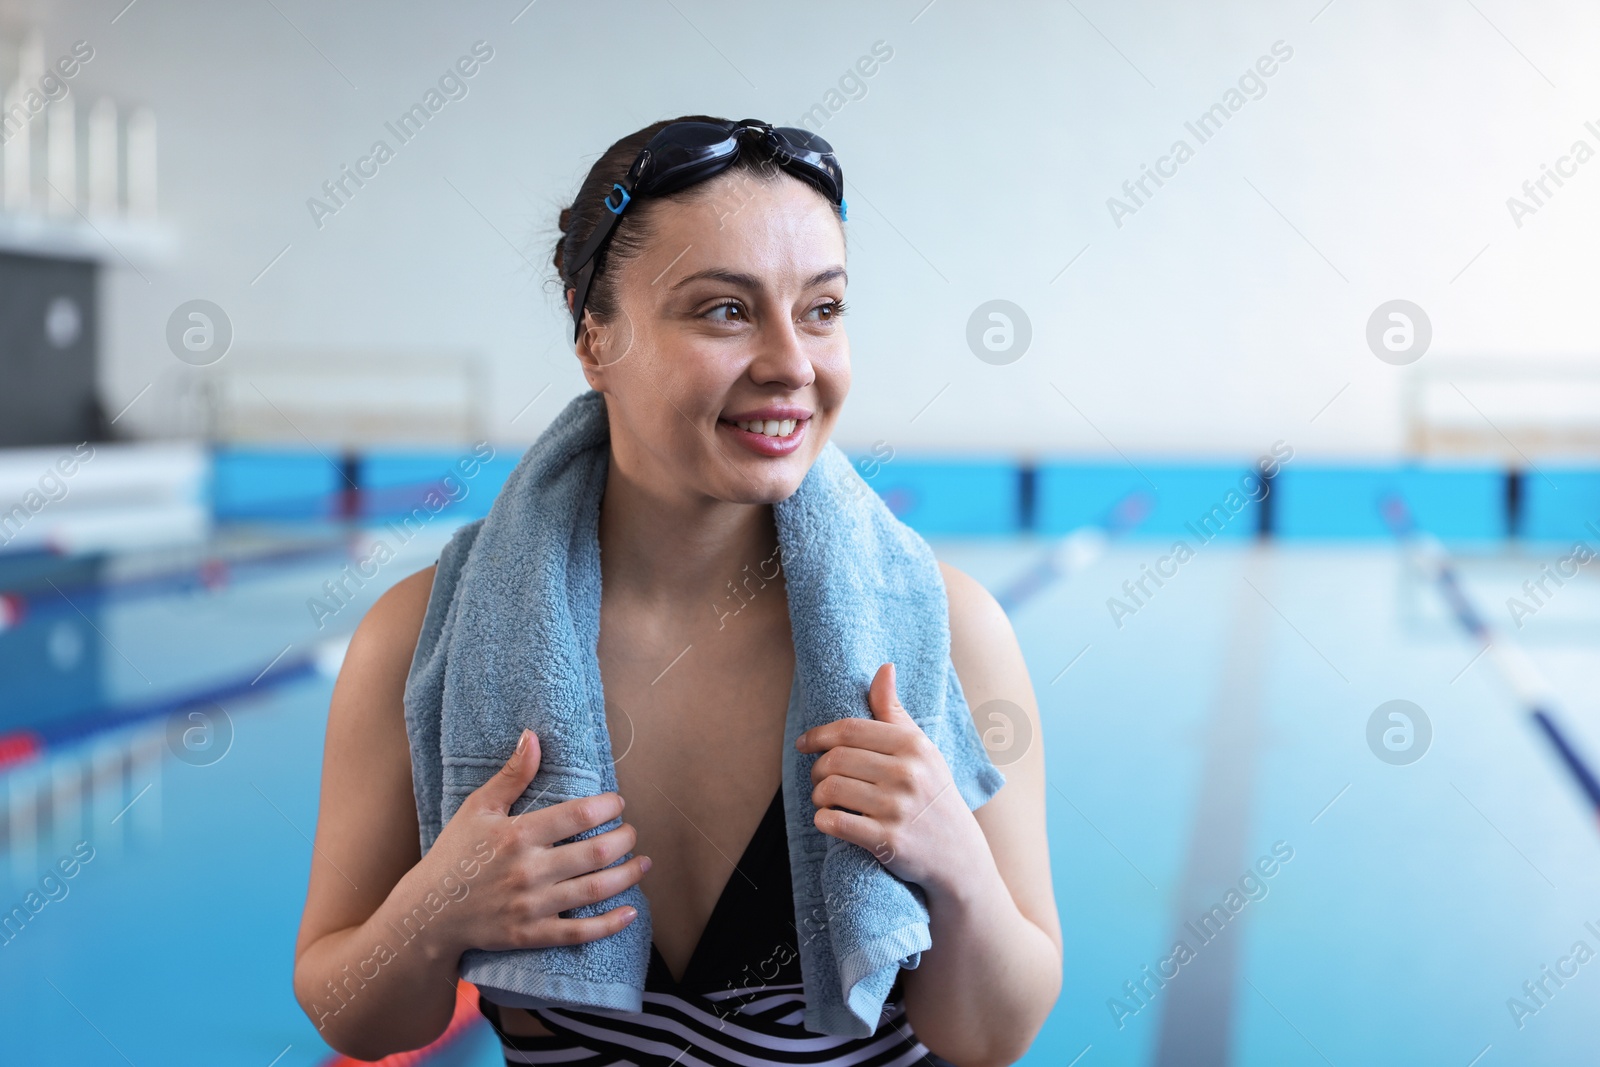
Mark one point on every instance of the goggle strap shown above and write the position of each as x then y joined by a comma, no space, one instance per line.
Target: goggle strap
590,251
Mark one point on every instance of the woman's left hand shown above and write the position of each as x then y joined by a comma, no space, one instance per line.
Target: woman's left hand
901,802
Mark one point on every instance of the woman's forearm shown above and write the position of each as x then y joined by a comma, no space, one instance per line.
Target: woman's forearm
980,995
389,984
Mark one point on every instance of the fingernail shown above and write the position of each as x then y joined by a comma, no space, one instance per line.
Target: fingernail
631,913
522,742
644,864
622,799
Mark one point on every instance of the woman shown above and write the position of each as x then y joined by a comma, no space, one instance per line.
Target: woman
708,315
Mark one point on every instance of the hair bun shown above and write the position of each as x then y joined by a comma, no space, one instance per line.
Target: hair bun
565,223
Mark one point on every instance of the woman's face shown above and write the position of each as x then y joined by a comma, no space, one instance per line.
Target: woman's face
726,364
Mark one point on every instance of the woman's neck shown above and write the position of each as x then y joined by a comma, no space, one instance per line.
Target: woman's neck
671,548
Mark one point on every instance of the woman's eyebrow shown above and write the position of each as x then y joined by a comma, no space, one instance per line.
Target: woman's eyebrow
826,276
734,278
750,281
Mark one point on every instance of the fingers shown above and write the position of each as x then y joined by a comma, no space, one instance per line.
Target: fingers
883,699
856,829
850,793
591,853
571,817
850,762
508,783
557,931
556,822
601,885
884,703
869,734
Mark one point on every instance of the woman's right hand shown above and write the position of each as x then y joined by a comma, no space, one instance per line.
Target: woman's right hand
525,880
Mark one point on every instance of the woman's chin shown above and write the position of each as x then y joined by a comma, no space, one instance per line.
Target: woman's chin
766,480
767,487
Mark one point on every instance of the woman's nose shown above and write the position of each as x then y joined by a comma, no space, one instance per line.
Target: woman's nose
781,358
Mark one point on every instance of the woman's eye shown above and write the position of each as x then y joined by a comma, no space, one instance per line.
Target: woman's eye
734,313
827,312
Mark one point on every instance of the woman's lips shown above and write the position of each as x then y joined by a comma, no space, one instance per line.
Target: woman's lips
763,444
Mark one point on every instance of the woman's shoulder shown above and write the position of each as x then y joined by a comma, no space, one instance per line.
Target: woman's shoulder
983,646
978,624
387,636
366,714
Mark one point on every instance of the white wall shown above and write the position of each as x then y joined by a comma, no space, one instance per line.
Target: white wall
980,159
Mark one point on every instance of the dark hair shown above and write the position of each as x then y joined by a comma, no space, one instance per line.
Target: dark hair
578,221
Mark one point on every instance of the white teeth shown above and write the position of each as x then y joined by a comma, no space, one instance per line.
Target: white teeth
769,427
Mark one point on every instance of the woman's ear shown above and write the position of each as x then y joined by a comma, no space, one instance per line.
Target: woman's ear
601,345
588,358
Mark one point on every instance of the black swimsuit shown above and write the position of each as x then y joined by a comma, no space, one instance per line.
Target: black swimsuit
740,1003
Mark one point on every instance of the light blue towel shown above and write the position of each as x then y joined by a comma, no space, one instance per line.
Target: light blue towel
509,641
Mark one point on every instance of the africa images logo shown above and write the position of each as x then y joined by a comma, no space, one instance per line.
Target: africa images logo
452,85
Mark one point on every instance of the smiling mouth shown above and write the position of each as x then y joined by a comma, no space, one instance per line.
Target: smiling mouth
772,438
778,428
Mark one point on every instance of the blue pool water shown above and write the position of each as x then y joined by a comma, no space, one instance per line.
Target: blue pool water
1227,716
